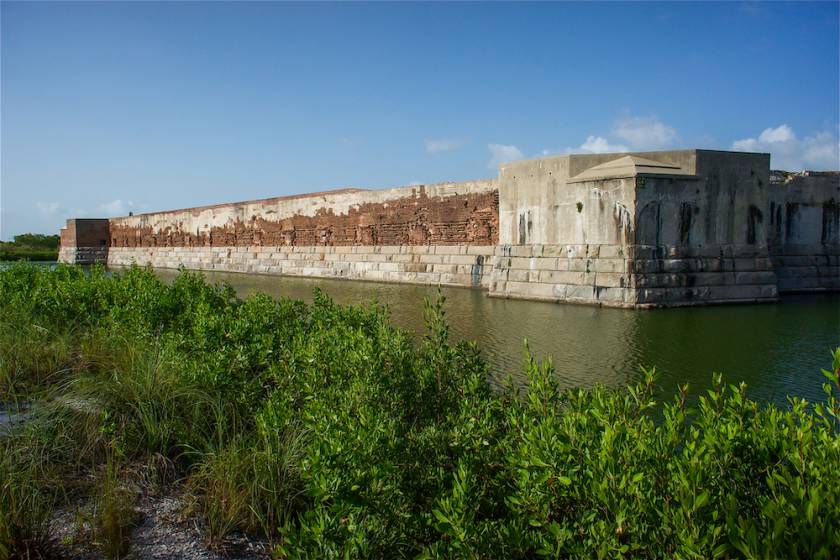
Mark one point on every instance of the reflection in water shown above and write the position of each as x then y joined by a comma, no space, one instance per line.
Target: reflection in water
777,349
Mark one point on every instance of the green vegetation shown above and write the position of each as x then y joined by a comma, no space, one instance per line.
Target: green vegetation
330,432
30,247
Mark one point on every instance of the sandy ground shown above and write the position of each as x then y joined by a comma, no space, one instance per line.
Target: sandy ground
161,532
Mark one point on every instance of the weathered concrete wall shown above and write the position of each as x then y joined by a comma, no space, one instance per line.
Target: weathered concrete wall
540,203
804,230
664,228
437,234
703,239
687,227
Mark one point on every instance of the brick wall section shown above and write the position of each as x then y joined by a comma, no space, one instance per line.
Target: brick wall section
448,214
84,241
85,232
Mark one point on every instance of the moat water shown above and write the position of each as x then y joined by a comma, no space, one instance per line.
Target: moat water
777,349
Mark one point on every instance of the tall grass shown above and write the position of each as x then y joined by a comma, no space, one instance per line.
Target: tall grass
330,432
31,355
252,483
113,514
25,508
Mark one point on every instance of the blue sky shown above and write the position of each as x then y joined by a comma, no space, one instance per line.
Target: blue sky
114,107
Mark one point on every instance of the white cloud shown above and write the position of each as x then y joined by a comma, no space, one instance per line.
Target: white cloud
47,209
818,152
599,145
782,133
502,153
644,133
592,145
115,208
438,145
627,133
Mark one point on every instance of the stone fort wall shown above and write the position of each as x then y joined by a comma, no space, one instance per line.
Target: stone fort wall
688,227
804,230
430,234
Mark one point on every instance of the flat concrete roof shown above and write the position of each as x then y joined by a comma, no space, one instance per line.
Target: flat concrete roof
631,166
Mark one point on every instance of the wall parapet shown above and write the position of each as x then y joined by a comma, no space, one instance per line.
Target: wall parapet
445,214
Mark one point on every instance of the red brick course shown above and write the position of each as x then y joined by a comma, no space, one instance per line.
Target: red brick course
462,219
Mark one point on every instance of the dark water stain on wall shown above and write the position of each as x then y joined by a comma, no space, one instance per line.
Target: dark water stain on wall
686,217
791,219
830,222
476,270
754,219
649,227
710,223
775,236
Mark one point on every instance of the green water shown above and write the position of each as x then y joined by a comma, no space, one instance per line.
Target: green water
777,349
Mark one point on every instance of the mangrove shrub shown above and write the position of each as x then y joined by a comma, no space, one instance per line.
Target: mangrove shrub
333,434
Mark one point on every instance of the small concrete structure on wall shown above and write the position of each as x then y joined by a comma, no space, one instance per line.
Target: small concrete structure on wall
85,241
687,227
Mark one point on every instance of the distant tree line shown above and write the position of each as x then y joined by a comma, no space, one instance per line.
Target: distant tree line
30,247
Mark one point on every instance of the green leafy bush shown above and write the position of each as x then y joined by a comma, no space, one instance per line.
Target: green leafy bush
335,435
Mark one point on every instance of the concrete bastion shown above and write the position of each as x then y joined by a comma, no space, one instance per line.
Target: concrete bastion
651,229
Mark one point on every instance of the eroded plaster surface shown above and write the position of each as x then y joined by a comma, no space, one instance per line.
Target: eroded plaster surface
449,214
